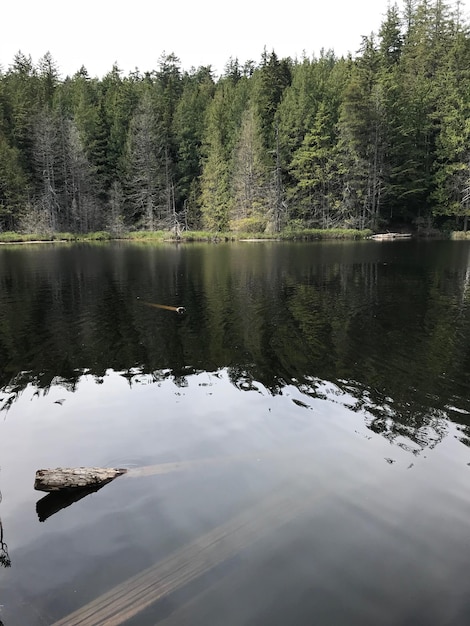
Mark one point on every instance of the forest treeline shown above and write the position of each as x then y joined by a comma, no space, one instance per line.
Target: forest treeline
355,142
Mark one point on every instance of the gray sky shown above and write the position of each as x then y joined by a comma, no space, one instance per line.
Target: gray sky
97,33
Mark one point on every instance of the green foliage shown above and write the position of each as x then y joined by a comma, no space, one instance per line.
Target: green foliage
189,127
248,225
13,183
315,170
332,142
218,141
147,235
98,236
295,231
15,237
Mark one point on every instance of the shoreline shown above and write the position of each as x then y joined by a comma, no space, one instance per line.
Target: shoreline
307,235
9,238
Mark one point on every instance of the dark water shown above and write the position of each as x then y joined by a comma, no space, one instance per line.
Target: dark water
315,396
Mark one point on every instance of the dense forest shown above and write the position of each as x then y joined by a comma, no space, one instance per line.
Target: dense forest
356,142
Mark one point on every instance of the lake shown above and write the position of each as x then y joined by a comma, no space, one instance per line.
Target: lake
297,441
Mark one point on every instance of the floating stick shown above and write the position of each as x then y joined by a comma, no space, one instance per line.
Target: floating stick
177,309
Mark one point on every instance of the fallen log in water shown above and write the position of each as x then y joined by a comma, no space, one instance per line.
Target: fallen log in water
131,597
70,478
184,466
387,236
74,477
69,485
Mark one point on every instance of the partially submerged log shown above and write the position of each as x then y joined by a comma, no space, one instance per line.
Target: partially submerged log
74,478
69,485
124,602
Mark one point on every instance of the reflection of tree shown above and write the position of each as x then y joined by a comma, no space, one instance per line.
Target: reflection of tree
4,558
393,339
408,425
41,383
412,428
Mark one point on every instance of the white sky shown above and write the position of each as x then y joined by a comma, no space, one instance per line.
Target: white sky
97,33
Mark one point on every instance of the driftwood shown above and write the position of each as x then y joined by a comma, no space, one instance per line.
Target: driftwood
387,236
74,478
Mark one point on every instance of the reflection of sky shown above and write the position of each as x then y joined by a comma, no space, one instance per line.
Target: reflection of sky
139,420
314,443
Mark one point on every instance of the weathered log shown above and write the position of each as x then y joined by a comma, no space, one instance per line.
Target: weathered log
74,477
129,598
64,492
387,236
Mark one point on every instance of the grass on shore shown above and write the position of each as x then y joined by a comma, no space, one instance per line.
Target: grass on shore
188,236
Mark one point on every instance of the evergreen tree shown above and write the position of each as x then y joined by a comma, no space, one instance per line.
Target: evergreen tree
21,92
215,179
391,38
271,79
189,125
119,98
223,122
250,190
451,165
316,196
48,75
13,186
413,114
313,81
361,141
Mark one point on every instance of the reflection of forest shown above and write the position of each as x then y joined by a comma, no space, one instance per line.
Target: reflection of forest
390,336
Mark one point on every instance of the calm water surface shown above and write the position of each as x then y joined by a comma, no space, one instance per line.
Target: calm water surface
298,441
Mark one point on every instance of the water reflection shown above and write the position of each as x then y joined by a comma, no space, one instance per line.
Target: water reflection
57,501
383,329
4,556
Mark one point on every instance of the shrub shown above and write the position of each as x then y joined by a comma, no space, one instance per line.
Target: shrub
248,225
